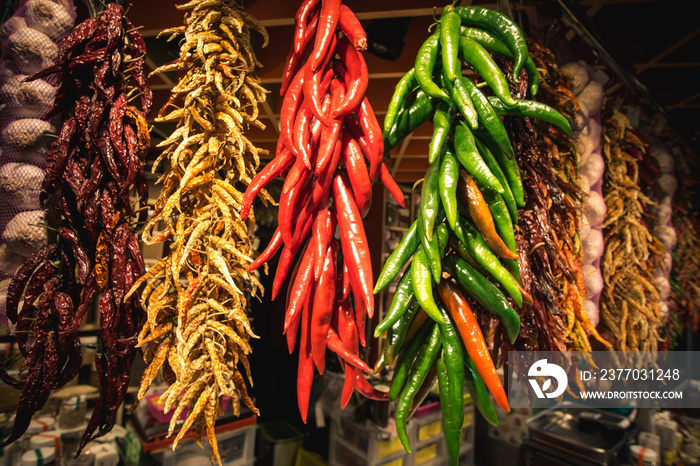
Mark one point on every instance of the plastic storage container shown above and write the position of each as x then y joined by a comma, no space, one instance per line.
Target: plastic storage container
342,454
375,444
236,448
72,412
48,439
39,457
278,443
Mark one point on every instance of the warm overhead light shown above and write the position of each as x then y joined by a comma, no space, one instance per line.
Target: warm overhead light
385,37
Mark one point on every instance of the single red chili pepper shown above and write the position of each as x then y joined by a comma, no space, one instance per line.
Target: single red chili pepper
300,285
293,57
351,27
293,191
313,88
324,179
302,135
274,168
391,185
368,390
290,106
323,305
360,316
323,227
473,339
328,20
370,126
303,227
307,8
345,282
269,251
305,369
356,77
291,335
330,133
354,243
345,324
283,265
357,173
336,345
310,138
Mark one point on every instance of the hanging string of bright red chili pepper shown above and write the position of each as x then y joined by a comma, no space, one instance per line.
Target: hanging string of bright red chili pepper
331,149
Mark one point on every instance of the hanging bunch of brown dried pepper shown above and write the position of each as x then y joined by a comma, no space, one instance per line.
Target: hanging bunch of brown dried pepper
92,168
561,155
328,129
629,303
197,329
544,232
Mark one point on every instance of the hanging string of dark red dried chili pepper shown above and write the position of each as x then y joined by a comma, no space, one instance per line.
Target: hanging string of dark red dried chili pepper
92,167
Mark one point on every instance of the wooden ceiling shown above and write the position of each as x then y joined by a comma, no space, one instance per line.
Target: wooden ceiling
658,50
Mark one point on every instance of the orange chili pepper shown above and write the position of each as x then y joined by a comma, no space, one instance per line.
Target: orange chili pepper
481,215
473,339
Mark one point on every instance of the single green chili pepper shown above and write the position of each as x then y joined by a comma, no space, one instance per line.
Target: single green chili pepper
429,200
425,63
488,260
396,335
451,433
443,234
442,124
460,95
533,109
424,360
400,302
398,258
491,122
481,61
485,292
406,358
454,356
493,44
504,225
471,159
401,91
432,254
478,391
447,184
424,390
419,111
464,253
497,171
422,280
450,24
503,27
510,167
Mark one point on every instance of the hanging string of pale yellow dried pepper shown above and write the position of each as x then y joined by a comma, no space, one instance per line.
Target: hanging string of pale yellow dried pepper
629,303
196,296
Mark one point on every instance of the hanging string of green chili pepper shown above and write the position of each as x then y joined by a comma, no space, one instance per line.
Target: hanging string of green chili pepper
462,243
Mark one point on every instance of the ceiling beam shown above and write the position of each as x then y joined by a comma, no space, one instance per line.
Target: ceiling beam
675,64
684,103
639,69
